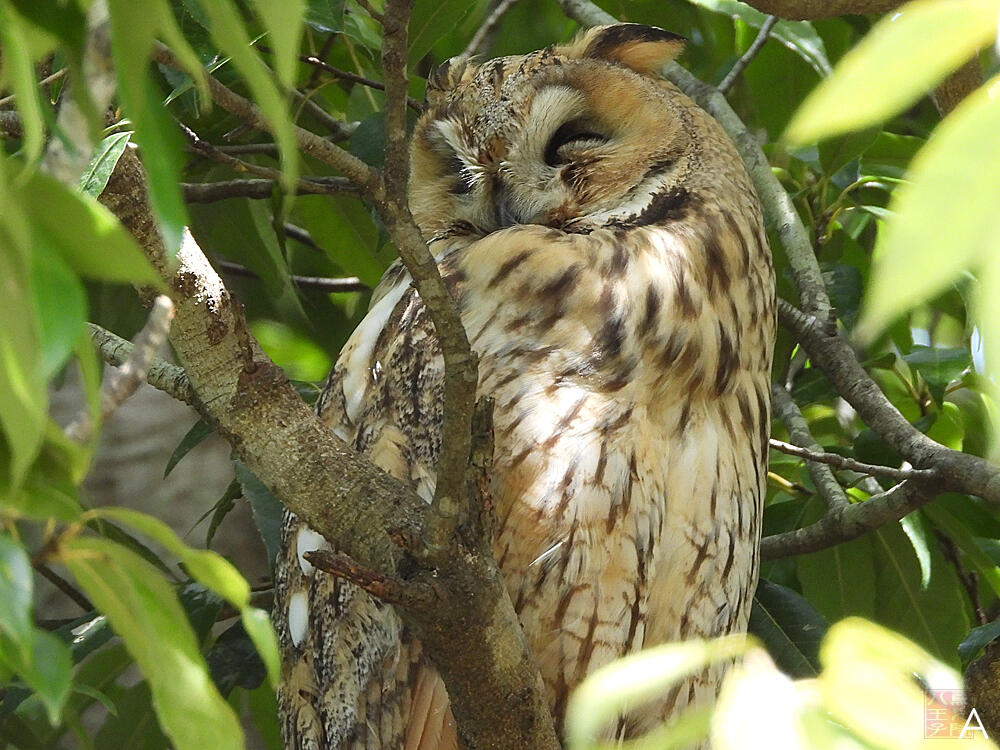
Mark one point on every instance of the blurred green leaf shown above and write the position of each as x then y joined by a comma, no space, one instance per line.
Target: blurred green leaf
16,591
789,626
19,73
143,609
905,54
325,15
45,667
835,153
75,224
234,662
629,681
61,306
840,580
106,156
133,725
284,25
215,572
953,176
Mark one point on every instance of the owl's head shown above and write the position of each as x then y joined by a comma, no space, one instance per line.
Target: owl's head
574,137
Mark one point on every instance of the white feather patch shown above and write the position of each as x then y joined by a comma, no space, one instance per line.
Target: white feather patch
308,541
298,617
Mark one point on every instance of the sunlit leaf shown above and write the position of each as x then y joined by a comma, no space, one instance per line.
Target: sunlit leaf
905,55
213,571
45,667
143,609
106,156
946,220
16,590
610,690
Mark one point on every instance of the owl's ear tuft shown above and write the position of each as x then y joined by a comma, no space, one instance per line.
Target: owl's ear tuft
644,49
447,75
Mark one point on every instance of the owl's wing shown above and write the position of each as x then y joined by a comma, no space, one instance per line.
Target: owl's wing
353,678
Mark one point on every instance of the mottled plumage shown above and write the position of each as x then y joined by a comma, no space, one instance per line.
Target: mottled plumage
607,252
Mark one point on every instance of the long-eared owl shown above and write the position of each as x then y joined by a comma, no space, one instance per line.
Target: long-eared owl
606,250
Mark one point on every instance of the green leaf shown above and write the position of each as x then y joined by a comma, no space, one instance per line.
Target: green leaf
16,591
325,15
229,31
430,20
134,724
284,25
789,626
954,177
192,438
234,662
19,72
835,153
87,235
46,668
61,305
143,609
630,681
840,580
938,366
978,639
963,537
798,36
906,54
267,510
106,156
936,615
215,572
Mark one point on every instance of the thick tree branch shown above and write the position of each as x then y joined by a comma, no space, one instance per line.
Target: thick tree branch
812,10
831,352
842,524
957,86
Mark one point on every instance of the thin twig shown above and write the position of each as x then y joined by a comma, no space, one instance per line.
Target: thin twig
162,375
364,176
320,283
379,585
370,10
487,29
826,483
119,385
209,192
7,100
750,54
346,75
849,522
64,586
843,462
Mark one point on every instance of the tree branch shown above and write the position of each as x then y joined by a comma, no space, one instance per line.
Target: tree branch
461,373
262,189
844,462
162,375
812,10
762,36
828,349
353,168
346,75
842,524
957,86
481,39
826,483
318,283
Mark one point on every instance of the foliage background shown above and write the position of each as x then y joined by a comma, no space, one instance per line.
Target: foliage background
934,576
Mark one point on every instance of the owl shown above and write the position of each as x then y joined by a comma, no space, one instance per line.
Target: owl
605,248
